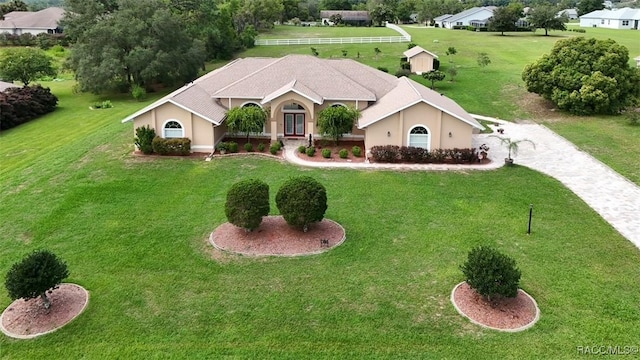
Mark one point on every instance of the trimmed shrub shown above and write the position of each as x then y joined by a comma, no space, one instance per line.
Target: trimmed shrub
343,154
173,146
302,149
326,153
248,147
385,153
274,149
247,202
261,147
39,272
357,151
491,273
144,139
233,146
403,72
278,145
384,69
311,151
19,105
302,201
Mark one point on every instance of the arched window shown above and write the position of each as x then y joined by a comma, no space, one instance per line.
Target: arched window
293,107
419,137
250,104
172,129
338,105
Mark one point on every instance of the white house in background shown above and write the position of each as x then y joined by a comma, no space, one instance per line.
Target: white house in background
571,14
440,19
28,22
625,18
463,19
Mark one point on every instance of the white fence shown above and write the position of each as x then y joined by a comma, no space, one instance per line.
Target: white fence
405,37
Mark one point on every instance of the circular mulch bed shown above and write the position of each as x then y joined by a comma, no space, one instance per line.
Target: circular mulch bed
276,237
508,314
28,319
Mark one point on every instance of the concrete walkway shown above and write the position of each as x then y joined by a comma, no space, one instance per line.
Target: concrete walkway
611,195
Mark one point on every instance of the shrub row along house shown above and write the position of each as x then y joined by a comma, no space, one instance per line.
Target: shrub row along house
294,89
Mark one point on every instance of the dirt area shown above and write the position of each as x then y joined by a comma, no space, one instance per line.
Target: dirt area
26,319
276,237
505,314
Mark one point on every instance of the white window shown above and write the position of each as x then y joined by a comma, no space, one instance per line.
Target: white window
459,23
419,137
602,21
172,129
625,22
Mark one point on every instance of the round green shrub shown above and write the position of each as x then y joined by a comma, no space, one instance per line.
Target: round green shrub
248,147
302,149
343,154
247,202
35,275
274,149
233,146
278,145
261,147
326,153
311,151
491,273
357,151
302,201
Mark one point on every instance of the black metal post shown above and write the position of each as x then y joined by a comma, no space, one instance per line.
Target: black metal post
530,214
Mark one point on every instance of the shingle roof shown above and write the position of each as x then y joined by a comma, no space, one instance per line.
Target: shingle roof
470,12
44,19
408,93
442,17
417,50
617,14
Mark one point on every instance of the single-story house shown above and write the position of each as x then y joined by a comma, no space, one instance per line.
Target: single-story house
438,20
353,17
5,85
28,22
464,18
420,59
294,89
571,14
625,18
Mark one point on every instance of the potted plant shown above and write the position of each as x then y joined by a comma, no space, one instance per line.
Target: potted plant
512,146
222,147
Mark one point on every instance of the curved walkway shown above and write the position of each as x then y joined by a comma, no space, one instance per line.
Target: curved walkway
610,194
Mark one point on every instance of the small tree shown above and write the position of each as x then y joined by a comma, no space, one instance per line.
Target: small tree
491,273
546,17
246,119
144,139
504,19
377,51
25,64
302,201
247,202
433,76
483,60
314,51
335,121
450,52
39,272
512,146
453,72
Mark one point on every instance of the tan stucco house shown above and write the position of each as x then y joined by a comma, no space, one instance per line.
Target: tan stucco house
293,89
421,60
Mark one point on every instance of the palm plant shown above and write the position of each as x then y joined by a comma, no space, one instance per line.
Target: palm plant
512,146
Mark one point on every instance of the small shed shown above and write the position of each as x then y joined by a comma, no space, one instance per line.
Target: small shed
421,60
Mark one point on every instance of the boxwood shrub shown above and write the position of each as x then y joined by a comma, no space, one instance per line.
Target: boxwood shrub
326,153
410,154
491,273
302,201
247,202
343,154
174,146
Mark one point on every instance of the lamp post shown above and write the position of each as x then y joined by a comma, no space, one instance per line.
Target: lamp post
530,215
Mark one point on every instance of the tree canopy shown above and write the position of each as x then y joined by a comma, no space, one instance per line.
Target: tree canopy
545,17
433,76
336,121
246,119
587,6
25,65
134,42
585,76
504,18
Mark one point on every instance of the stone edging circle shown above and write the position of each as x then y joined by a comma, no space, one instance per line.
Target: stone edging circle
518,329
31,336
338,243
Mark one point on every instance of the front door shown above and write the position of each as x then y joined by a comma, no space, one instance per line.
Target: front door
294,124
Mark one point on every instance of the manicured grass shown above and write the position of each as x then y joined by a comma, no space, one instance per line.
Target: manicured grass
133,232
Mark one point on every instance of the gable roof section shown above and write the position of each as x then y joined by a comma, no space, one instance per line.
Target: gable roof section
471,12
297,88
442,17
617,14
407,94
417,50
44,19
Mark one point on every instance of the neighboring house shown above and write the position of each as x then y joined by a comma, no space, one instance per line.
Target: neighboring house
353,17
27,22
438,21
465,18
637,59
5,85
571,14
625,18
420,59
294,89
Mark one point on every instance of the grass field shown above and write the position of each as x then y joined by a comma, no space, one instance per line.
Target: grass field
133,232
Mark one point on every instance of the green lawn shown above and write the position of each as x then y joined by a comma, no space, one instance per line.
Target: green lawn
133,232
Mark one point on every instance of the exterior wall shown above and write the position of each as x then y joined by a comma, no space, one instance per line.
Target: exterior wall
203,136
465,21
394,130
277,114
608,23
420,63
